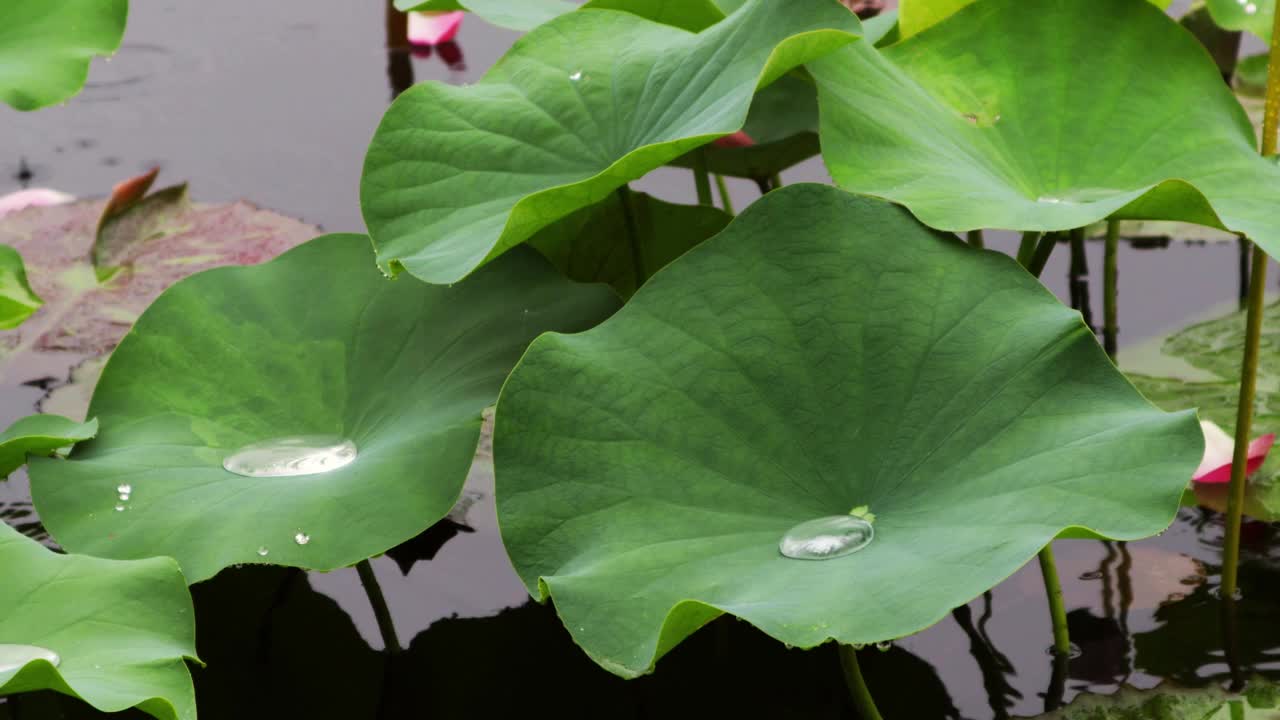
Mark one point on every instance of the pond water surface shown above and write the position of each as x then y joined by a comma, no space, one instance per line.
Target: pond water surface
274,102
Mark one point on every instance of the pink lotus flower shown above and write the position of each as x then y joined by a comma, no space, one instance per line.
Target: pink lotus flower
35,197
1215,467
434,28
736,140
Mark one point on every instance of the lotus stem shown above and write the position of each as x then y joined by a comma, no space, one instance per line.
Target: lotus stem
1253,333
1027,248
701,177
1079,277
862,699
1245,248
633,236
976,239
1043,250
1057,609
379,603
775,182
725,201
1110,278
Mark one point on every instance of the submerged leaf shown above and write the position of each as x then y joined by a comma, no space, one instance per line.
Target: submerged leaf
120,632
40,435
46,46
456,176
790,369
17,300
1011,114
385,380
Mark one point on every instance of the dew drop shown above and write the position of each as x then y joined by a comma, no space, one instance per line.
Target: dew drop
576,76
263,551
302,538
15,657
884,646
124,489
826,538
119,507
292,456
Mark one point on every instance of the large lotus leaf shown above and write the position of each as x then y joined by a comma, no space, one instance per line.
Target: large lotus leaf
17,299
522,15
456,176
1018,114
121,630
46,46
316,342
595,244
40,434
917,15
790,369
1255,16
87,316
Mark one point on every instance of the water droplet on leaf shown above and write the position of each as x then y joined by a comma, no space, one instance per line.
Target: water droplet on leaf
262,551
119,507
826,538
576,76
302,538
292,456
14,657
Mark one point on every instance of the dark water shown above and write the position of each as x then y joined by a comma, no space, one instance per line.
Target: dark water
274,102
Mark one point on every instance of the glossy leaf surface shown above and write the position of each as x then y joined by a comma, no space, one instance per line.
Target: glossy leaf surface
40,435
17,300
790,369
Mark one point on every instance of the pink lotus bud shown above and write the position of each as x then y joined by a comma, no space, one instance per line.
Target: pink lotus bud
1219,447
35,197
736,140
433,28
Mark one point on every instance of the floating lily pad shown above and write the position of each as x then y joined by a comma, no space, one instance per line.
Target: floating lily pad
17,299
46,46
595,244
1163,703
1254,16
149,247
40,435
120,632
1011,114
789,369
456,176
316,343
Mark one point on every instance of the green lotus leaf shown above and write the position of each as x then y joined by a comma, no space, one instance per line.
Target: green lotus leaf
595,244
46,46
314,343
1163,703
1254,16
456,176
40,435
1251,75
120,631
17,300
790,369
692,15
918,15
1011,114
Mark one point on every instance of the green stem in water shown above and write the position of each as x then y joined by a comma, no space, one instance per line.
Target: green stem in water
1057,609
1027,248
701,177
725,201
1043,250
1253,332
857,685
776,181
976,239
1110,279
633,236
379,603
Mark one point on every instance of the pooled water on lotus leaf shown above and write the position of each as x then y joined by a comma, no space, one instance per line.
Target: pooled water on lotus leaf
14,657
826,538
292,456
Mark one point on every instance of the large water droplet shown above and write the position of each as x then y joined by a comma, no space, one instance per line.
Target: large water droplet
576,76
124,488
302,538
826,538
14,657
263,551
292,456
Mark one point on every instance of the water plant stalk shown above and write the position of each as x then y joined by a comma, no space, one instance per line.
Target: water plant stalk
702,178
775,182
862,699
1079,276
725,201
1040,257
633,236
1253,334
1027,248
1057,608
1110,279
976,239
380,610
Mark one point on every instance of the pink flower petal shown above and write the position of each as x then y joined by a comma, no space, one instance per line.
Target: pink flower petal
433,28
1215,466
736,140
35,197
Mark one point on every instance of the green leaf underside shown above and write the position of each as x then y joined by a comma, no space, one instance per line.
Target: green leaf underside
456,176
316,342
523,15
122,630
17,300
85,315
1018,114
46,46
594,244
40,435
1234,15
789,369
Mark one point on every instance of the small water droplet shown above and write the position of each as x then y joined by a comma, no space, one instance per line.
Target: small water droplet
302,538
292,456
120,507
884,646
858,646
263,551
15,657
124,488
826,538
576,76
